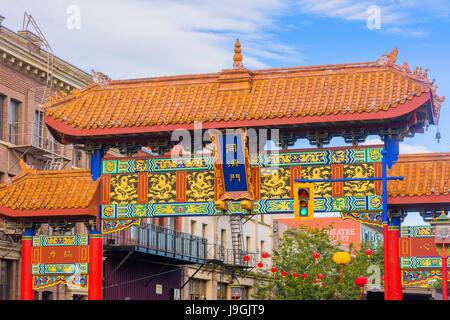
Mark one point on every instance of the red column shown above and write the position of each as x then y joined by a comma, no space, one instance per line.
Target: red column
95,266
26,279
444,273
386,261
394,276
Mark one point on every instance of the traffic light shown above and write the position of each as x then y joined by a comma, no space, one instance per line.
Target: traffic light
304,201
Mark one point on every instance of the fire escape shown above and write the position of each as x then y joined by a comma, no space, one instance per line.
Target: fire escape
29,137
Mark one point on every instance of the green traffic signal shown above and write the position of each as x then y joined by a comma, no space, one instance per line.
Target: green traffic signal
303,212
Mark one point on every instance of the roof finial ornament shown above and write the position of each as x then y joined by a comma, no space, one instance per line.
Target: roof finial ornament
100,78
237,58
388,58
393,55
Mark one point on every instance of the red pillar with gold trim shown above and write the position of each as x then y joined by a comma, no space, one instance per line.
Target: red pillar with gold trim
26,278
394,275
95,265
95,279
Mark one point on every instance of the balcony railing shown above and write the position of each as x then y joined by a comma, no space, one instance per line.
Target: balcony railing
30,134
231,257
160,241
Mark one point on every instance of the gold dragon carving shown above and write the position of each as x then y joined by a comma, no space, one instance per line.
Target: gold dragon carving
199,186
275,183
123,189
359,188
162,187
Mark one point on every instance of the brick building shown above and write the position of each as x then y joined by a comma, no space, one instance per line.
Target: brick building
28,73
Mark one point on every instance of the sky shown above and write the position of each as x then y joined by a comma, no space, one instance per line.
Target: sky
127,39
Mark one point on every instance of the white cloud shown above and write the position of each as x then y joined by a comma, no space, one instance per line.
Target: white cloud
132,39
404,147
399,17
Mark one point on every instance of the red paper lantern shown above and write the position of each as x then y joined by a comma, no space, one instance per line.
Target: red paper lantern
260,265
284,273
369,252
315,280
382,278
273,270
304,276
361,281
295,274
264,255
316,255
319,276
246,258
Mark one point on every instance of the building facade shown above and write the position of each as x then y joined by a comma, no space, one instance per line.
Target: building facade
28,73
232,255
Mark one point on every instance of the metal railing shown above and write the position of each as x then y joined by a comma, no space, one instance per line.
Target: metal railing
161,240
36,135
231,257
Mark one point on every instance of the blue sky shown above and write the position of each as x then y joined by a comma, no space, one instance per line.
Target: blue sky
139,38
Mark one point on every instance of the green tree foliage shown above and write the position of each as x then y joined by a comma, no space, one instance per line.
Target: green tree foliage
295,255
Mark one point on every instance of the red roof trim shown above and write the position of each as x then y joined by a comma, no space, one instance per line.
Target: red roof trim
400,110
31,214
423,199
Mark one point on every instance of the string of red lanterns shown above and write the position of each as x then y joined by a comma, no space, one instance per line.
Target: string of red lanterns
359,281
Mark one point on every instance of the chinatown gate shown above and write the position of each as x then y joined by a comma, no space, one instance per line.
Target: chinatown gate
317,103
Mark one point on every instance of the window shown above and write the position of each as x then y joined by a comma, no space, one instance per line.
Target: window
197,289
263,246
53,145
38,128
47,295
221,291
5,277
193,227
171,223
75,159
204,230
2,100
13,121
223,237
248,242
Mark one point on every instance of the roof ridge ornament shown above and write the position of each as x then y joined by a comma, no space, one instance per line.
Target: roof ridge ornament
100,78
237,58
25,168
391,57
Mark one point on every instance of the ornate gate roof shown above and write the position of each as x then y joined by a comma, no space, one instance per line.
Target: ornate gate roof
426,183
34,195
338,97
